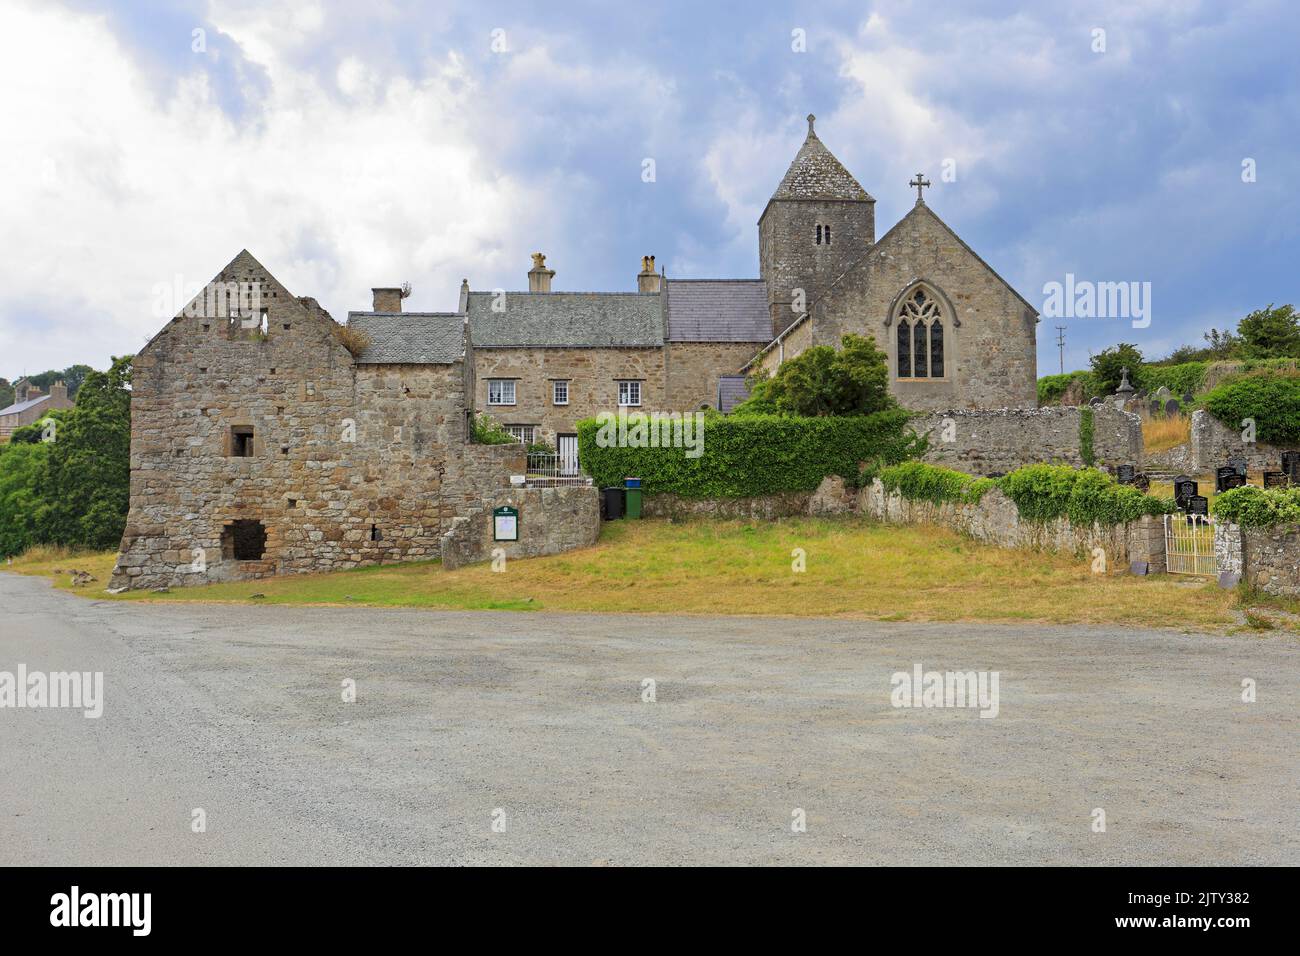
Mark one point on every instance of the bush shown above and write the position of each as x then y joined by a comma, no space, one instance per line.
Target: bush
1108,363
1179,379
822,381
918,481
751,455
1251,506
1084,495
1052,387
488,431
1272,399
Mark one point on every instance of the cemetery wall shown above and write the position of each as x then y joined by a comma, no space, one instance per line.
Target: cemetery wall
551,520
1213,443
1271,558
983,442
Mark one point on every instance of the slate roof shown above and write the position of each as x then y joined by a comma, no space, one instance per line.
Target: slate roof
20,407
718,310
410,338
732,390
817,174
573,319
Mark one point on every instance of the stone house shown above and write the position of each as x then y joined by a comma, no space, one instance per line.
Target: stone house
31,405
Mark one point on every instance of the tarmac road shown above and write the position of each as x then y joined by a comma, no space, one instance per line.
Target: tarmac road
538,721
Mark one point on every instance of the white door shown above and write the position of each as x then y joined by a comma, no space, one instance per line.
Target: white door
567,446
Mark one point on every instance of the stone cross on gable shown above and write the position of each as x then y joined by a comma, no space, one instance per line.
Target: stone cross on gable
920,182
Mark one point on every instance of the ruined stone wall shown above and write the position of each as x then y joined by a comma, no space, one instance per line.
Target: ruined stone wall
551,520
347,461
693,370
1213,443
592,374
990,360
1002,440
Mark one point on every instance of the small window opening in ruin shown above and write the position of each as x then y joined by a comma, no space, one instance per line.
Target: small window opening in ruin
203,368
279,409
241,441
272,371
207,326
293,502
284,449
286,326
375,534
243,540
263,323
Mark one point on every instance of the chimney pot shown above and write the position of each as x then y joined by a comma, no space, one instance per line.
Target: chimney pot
387,300
647,279
539,277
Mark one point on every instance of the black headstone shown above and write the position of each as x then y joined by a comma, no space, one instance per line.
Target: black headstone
1225,479
1184,488
1240,464
1188,398
1276,479
1125,474
1291,464
1198,505
1156,408
1172,407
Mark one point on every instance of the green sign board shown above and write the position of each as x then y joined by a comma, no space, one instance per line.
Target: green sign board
505,524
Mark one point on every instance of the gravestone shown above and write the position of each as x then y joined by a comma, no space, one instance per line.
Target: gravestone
1291,465
1172,407
1139,567
1125,474
1142,482
1155,407
1198,505
1240,464
1229,579
1225,479
1276,479
1188,398
1184,488
1097,401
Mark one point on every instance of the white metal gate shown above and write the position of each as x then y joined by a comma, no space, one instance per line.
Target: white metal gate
1189,544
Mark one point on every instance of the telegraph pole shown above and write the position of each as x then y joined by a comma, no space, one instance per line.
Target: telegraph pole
1060,343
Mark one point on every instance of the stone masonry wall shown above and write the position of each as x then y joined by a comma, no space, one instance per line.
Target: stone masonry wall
1213,443
991,359
693,370
551,520
1001,440
1271,559
592,374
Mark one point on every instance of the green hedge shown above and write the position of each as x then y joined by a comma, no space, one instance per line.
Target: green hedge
755,454
1252,506
1084,495
918,481
1040,492
1087,431
1052,387
1272,399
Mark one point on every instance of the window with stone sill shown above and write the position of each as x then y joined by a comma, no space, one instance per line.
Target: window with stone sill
629,394
560,393
525,434
920,339
501,391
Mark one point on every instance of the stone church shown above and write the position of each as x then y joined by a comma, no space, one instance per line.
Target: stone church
267,438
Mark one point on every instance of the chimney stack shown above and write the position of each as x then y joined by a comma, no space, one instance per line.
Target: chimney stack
387,300
539,277
59,391
647,279
464,296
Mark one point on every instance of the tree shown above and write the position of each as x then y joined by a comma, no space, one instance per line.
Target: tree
6,393
1271,333
1107,363
853,380
1222,345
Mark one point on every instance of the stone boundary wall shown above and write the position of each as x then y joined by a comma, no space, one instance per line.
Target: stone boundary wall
1004,439
1271,558
763,507
1213,443
551,520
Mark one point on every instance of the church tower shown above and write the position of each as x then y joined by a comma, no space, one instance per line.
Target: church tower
817,223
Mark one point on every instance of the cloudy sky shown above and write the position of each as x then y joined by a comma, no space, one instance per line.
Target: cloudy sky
349,145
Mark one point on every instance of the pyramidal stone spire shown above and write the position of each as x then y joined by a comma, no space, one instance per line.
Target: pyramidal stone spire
817,174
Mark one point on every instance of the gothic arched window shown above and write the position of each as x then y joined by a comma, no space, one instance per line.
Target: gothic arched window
920,337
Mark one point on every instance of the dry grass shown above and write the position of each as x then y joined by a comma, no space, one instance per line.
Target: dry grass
354,340
855,569
1163,433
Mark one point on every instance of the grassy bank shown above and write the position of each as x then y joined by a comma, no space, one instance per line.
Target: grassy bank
855,568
